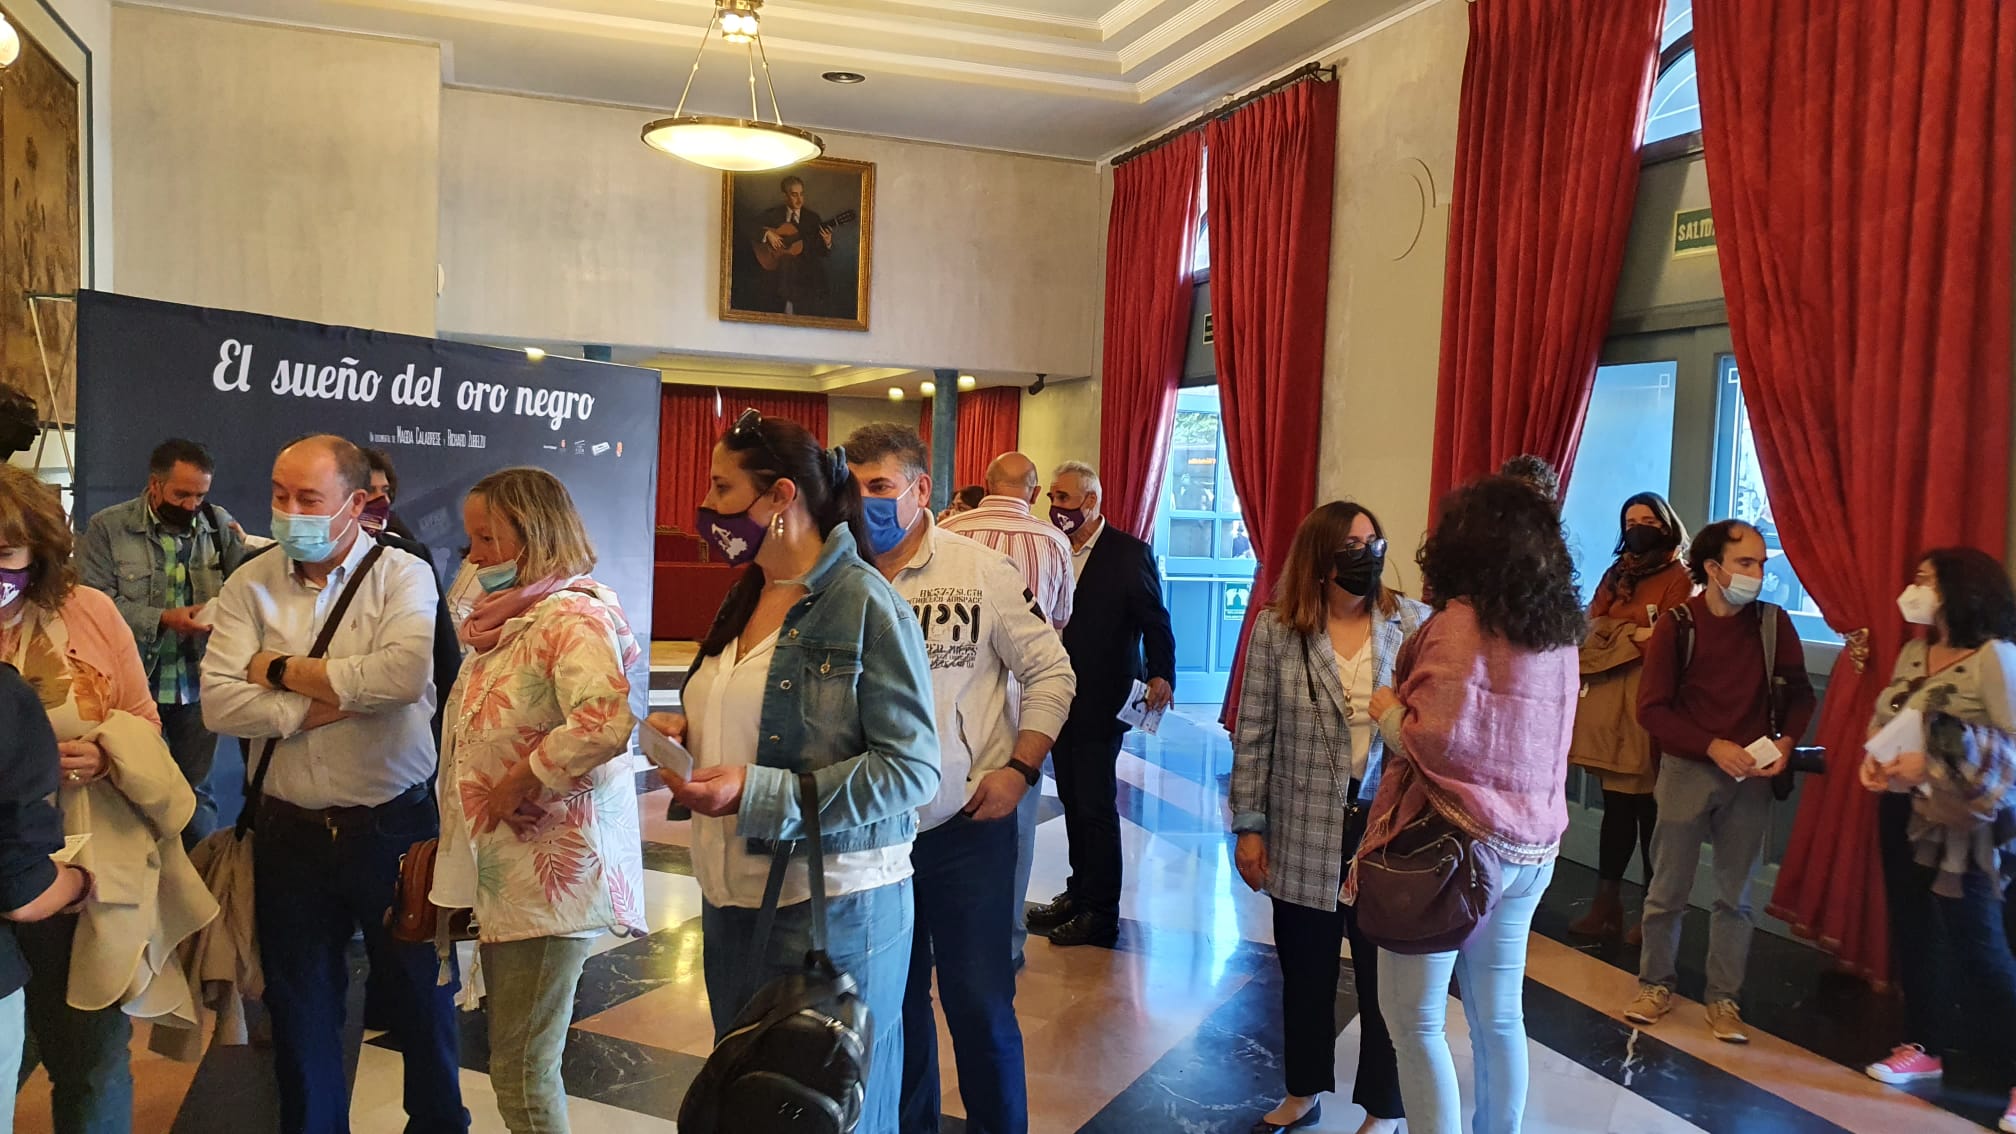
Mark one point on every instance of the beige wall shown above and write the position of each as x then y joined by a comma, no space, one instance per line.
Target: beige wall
1061,424
845,415
559,224
277,170
1396,129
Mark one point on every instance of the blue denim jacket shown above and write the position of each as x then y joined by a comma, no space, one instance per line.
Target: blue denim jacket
849,699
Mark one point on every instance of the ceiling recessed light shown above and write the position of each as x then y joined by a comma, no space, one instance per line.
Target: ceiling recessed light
928,389
967,381
895,393
845,78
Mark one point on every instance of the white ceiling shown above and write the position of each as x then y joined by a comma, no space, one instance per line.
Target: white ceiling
1080,79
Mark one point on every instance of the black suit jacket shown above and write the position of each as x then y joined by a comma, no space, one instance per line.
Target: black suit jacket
1119,630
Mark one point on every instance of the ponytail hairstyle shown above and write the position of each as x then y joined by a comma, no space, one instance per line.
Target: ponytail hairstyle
771,449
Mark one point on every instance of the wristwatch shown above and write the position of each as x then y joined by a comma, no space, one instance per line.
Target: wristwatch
1033,775
276,672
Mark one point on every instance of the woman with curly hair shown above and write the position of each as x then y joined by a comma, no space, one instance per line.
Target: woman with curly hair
1477,727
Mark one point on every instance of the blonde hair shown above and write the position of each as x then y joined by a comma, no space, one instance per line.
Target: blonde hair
539,509
31,516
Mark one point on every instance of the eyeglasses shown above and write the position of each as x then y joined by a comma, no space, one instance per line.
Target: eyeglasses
1375,545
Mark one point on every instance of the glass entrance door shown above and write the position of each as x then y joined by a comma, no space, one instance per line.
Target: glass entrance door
1206,555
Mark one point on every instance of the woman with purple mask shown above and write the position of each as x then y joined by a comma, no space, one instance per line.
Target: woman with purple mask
814,665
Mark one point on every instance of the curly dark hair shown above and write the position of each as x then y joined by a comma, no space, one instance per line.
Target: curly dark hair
1499,547
1535,473
1711,543
1975,595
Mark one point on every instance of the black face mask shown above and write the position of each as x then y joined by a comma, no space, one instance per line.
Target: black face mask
1358,568
1644,540
175,515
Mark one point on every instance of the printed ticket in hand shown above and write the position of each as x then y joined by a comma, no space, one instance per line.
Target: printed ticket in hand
71,845
1904,733
1136,712
665,752
1765,752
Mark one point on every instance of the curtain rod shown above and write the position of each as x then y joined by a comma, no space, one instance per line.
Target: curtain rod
1323,71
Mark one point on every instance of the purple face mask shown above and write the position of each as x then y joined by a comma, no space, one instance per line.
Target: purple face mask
377,514
13,584
1068,520
736,537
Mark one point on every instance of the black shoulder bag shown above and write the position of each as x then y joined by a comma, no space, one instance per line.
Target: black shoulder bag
796,1061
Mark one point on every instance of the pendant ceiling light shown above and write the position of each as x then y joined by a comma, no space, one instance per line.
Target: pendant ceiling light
739,145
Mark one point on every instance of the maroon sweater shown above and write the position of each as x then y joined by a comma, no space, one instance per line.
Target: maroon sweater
1721,696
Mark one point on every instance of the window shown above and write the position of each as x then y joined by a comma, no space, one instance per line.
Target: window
1200,256
1206,552
1676,95
1627,448
1740,495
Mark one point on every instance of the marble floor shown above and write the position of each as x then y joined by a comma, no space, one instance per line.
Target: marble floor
1178,1028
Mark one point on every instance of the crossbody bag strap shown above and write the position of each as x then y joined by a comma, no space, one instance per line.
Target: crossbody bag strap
246,816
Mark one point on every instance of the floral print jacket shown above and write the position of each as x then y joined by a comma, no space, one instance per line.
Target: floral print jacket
552,691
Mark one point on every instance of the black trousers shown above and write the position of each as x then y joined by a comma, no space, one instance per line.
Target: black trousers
1085,761
1306,942
1627,825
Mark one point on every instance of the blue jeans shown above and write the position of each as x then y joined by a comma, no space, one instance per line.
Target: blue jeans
1491,971
87,1053
312,890
964,869
868,937
1026,814
13,1031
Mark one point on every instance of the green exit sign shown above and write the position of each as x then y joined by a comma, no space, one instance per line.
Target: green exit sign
1693,232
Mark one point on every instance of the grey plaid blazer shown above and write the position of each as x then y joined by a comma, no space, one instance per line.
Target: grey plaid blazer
1291,764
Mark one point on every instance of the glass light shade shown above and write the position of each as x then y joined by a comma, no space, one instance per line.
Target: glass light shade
737,145
967,381
928,389
739,27
10,43
895,393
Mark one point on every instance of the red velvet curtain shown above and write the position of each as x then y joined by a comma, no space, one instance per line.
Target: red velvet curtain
1271,173
990,424
1861,158
689,427
1554,95
1150,234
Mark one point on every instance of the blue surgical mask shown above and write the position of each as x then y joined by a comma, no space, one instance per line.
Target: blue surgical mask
498,576
306,539
884,516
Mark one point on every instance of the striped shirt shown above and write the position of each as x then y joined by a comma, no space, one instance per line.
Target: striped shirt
1038,550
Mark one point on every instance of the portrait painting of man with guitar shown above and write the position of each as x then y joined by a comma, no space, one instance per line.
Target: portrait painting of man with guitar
785,256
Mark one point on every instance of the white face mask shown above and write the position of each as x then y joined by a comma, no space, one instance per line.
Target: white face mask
1919,604
1742,590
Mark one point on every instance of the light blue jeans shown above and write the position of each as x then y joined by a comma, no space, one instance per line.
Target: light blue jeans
1025,864
13,1033
867,935
1491,971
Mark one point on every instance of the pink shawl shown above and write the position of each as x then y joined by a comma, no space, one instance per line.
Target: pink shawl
484,627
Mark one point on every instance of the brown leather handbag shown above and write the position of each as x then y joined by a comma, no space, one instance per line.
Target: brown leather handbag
414,918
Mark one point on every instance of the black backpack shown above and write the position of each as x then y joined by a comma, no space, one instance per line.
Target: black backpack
796,1060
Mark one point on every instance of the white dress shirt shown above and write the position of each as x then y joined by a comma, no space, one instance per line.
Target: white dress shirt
381,665
724,702
1080,554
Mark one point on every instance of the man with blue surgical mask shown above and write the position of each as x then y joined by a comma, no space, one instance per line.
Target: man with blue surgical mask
1725,695
343,789
981,627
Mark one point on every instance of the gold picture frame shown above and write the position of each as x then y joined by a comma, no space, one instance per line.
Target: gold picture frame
774,272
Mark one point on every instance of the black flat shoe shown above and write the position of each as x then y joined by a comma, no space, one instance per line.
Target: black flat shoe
1087,928
1045,918
1314,1116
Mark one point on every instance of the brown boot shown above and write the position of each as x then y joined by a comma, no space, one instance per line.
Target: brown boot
1606,913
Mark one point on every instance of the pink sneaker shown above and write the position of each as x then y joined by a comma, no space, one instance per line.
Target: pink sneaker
1907,1064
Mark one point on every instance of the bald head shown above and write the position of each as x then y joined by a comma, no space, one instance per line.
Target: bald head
1013,474
351,466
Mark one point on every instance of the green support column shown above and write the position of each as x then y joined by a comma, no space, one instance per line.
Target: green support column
944,438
